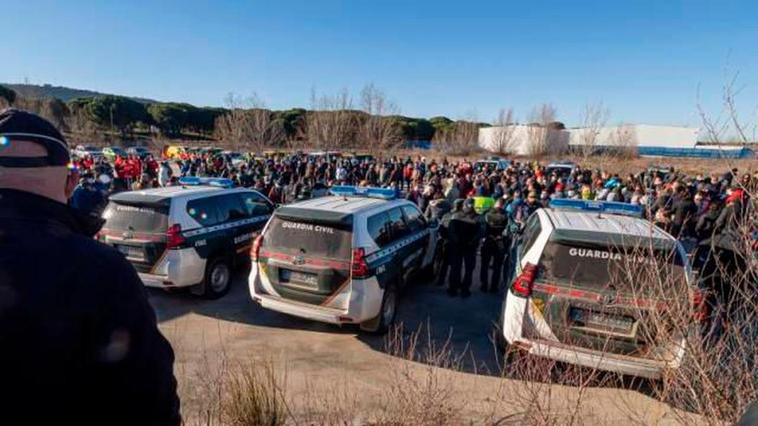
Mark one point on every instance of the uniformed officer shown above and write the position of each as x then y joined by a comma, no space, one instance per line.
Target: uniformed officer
444,240
464,232
494,247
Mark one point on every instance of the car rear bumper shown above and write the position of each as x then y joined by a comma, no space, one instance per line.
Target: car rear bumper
303,310
641,367
158,281
356,302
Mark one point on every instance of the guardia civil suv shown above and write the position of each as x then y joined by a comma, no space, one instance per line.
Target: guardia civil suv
578,295
343,258
190,235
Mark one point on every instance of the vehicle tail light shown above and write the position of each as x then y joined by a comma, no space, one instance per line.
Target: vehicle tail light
174,237
360,267
522,285
699,306
255,251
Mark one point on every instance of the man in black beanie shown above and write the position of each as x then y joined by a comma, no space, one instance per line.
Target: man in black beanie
79,343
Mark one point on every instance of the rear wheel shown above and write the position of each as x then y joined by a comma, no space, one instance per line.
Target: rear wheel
434,268
386,318
218,278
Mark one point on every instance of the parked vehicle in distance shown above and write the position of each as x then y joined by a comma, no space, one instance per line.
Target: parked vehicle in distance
491,164
83,151
343,258
191,235
237,158
139,151
561,168
567,302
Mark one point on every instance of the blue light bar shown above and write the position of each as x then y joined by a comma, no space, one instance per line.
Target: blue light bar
200,181
357,191
610,207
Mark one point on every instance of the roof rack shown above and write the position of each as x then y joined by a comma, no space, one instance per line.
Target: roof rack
363,191
205,181
610,207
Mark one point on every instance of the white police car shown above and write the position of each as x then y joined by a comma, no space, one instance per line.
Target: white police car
561,168
191,235
567,302
343,258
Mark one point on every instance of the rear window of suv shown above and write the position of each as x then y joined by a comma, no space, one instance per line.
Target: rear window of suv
595,265
150,219
319,239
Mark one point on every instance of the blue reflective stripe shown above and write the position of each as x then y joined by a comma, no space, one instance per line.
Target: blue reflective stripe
394,247
209,229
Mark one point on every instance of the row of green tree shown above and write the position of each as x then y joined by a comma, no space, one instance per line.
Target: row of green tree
122,114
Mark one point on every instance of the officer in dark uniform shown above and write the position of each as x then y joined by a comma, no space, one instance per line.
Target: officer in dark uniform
79,342
493,247
444,241
464,232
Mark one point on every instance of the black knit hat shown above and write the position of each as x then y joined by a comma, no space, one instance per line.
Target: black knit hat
17,125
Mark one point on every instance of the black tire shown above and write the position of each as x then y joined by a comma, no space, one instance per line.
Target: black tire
387,313
218,278
433,270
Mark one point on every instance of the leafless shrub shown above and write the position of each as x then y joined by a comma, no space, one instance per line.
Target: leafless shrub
623,142
503,139
248,125
255,396
331,123
460,138
378,131
594,118
711,364
543,137
421,396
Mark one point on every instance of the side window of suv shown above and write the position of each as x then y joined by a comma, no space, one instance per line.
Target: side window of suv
379,229
232,208
398,228
204,211
255,204
414,218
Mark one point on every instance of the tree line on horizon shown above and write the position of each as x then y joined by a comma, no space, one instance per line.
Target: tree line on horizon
245,123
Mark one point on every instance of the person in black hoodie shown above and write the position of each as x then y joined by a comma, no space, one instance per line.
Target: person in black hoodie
79,341
464,234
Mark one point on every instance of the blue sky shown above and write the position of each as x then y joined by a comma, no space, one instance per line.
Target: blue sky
643,59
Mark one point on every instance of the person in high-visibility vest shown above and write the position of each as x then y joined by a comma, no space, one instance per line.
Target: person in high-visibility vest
483,204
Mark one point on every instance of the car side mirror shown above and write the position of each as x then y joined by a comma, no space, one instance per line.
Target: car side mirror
277,205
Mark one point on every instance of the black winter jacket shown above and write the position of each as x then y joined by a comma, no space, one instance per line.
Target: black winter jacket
79,342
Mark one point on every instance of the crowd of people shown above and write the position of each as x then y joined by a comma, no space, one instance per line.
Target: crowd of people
83,322
689,207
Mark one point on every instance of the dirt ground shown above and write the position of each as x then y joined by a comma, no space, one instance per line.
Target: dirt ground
328,370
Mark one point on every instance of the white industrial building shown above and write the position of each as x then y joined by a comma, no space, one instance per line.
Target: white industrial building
639,135
520,139
517,139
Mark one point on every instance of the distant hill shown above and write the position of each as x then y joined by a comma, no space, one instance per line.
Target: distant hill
63,93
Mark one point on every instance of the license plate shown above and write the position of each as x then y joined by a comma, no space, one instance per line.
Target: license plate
616,323
131,252
285,275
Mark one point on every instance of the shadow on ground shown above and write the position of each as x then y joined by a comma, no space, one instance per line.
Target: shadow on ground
463,327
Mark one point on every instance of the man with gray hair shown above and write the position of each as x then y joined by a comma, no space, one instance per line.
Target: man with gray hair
79,343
